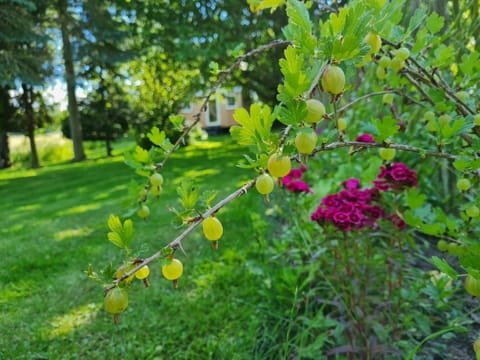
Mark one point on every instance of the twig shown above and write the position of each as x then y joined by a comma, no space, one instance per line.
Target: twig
213,90
176,243
366,96
402,147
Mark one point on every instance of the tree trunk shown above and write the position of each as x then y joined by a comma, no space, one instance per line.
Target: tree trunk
30,123
4,150
74,116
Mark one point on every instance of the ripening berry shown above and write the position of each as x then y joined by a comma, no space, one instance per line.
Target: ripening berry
387,154
156,179
444,120
264,184
442,245
306,141
384,61
476,347
123,270
342,124
374,41
472,211
156,190
463,184
402,54
432,126
397,64
476,120
381,72
333,80
279,165
315,111
429,116
143,212
387,98
116,300
143,272
212,228
472,285
172,270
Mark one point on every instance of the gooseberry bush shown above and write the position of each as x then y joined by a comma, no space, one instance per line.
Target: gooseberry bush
377,154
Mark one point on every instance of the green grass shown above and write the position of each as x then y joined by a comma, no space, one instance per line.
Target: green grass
53,224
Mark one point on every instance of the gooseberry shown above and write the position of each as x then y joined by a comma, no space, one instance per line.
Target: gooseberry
264,184
429,116
305,141
315,111
402,54
384,61
472,211
381,72
387,98
442,245
156,179
116,301
212,228
172,270
375,42
143,272
342,124
387,154
279,165
333,80
144,211
463,184
476,120
472,285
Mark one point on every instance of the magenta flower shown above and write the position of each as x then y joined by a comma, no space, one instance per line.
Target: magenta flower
351,184
292,181
366,138
396,176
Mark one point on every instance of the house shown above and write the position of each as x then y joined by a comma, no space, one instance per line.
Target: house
220,109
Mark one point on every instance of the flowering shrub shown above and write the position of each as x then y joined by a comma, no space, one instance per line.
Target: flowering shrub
292,181
353,208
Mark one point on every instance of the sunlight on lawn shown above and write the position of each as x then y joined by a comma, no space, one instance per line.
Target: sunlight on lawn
195,174
16,290
65,234
65,324
78,209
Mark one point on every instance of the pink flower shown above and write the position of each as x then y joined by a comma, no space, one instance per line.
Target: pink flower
292,183
351,184
366,138
396,176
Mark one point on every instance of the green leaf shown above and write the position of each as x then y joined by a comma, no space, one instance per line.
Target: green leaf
255,128
114,223
421,41
444,56
176,121
156,136
116,239
433,229
386,127
470,63
417,19
189,194
208,197
127,232
456,128
141,155
444,267
292,112
411,219
435,23
296,82
414,199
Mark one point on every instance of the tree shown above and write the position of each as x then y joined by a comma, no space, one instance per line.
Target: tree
23,58
92,35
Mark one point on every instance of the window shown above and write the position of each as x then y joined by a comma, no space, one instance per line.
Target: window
230,101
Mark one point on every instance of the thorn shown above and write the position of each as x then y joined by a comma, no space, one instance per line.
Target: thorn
175,283
146,283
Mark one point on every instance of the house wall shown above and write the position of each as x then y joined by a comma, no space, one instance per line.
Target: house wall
222,107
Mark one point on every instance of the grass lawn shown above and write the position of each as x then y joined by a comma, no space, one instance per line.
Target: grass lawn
53,224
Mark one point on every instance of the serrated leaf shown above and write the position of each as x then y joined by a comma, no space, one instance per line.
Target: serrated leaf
433,229
255,128
291,112
114,223
127,232
156,136
414,199
470,63
421,41
435,23
295,82
461,164
116,239
176,120
456,128
386,127
141,155
189,194
444,267
411,219
209,196
444,56
417,19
